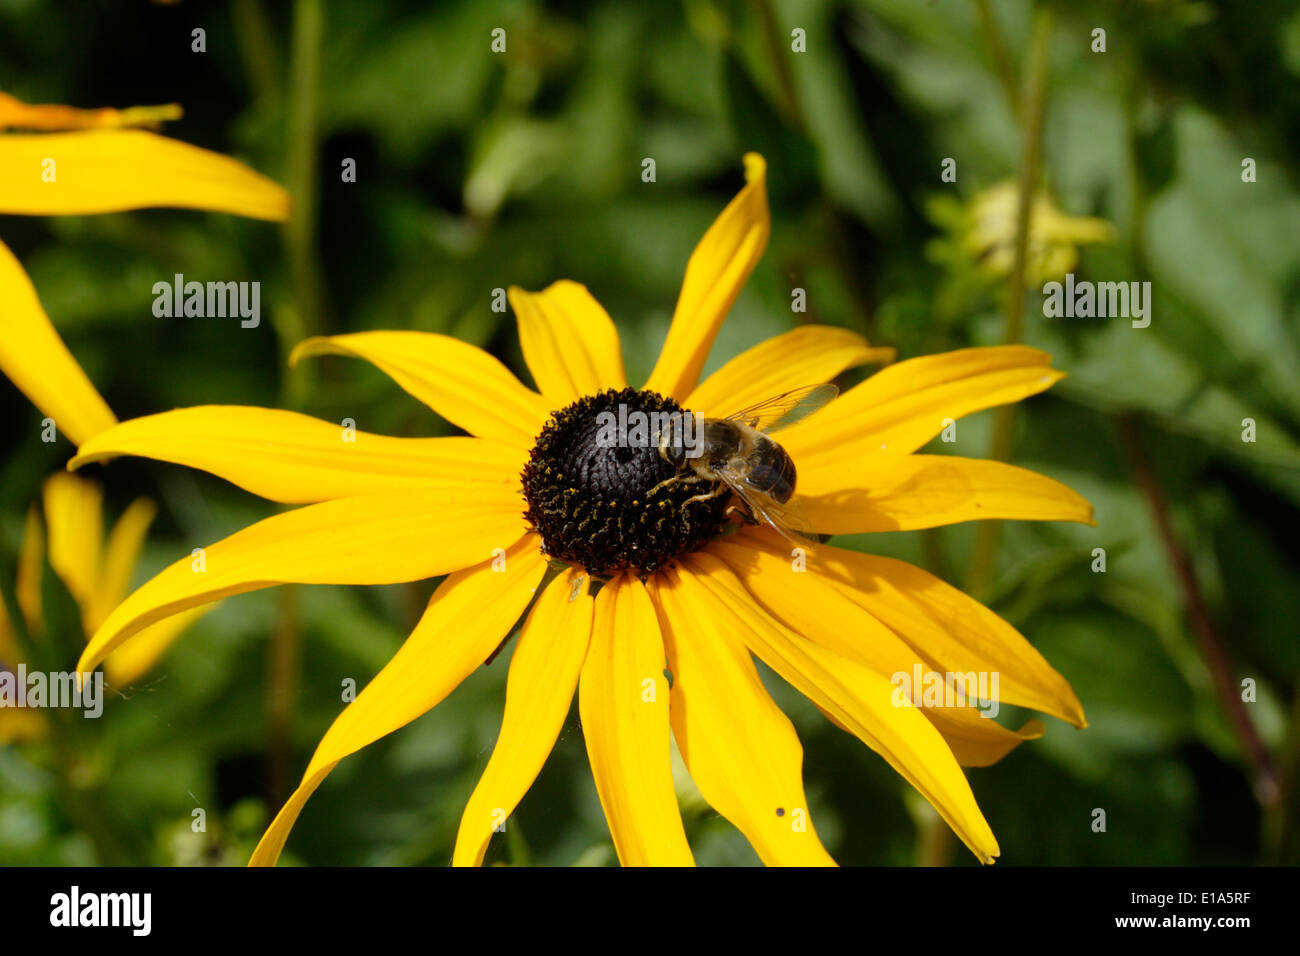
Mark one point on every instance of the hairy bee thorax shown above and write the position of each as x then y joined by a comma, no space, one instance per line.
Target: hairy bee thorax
597,487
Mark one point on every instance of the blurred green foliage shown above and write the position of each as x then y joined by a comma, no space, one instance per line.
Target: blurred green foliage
477,170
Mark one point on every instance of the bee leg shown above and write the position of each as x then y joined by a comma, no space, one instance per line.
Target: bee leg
685,479
740,513
707,495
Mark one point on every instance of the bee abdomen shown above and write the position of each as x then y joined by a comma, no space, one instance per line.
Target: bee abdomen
773,472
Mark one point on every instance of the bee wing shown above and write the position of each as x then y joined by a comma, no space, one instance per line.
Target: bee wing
786,519
786,408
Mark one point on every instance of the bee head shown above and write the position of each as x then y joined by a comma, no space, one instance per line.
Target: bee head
671,446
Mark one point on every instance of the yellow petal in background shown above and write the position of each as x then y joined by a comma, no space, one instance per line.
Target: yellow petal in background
462,383
715,274
297,459
568,340
31,561
927,491
856,698
18,724
378,539
121,555
75,518
81,173
902,407
742,752
34,357
15,114
808,355
623,699
543,677
137,657
466,619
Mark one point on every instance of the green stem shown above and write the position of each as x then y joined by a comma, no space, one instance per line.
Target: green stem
774,43
935,838
934,841
1280,827
998,52
257,46
282,694
1213,647
1035,102
305,317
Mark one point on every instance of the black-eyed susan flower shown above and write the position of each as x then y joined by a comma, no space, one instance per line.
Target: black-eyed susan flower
97,572
658,610
81,162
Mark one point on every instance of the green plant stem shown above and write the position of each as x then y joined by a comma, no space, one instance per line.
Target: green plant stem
301,320
1280,836
998,53
935,839
305,318
1035,102
1212,646
934,842
774,42
282,694
257,46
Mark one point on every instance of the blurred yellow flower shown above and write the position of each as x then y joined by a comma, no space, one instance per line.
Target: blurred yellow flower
97,164
983,231
97,573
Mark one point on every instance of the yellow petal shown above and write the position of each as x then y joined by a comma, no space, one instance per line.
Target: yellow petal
952,631
19,724
810,606
463,384
465,621
73,174
902,407
297,459
15,114
742,752
35,359
859,700
121,555
377,539
543,676
808,355
926,491
31,562
9,654
27,591
715,274
623,700
75,518
137,657
569,341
